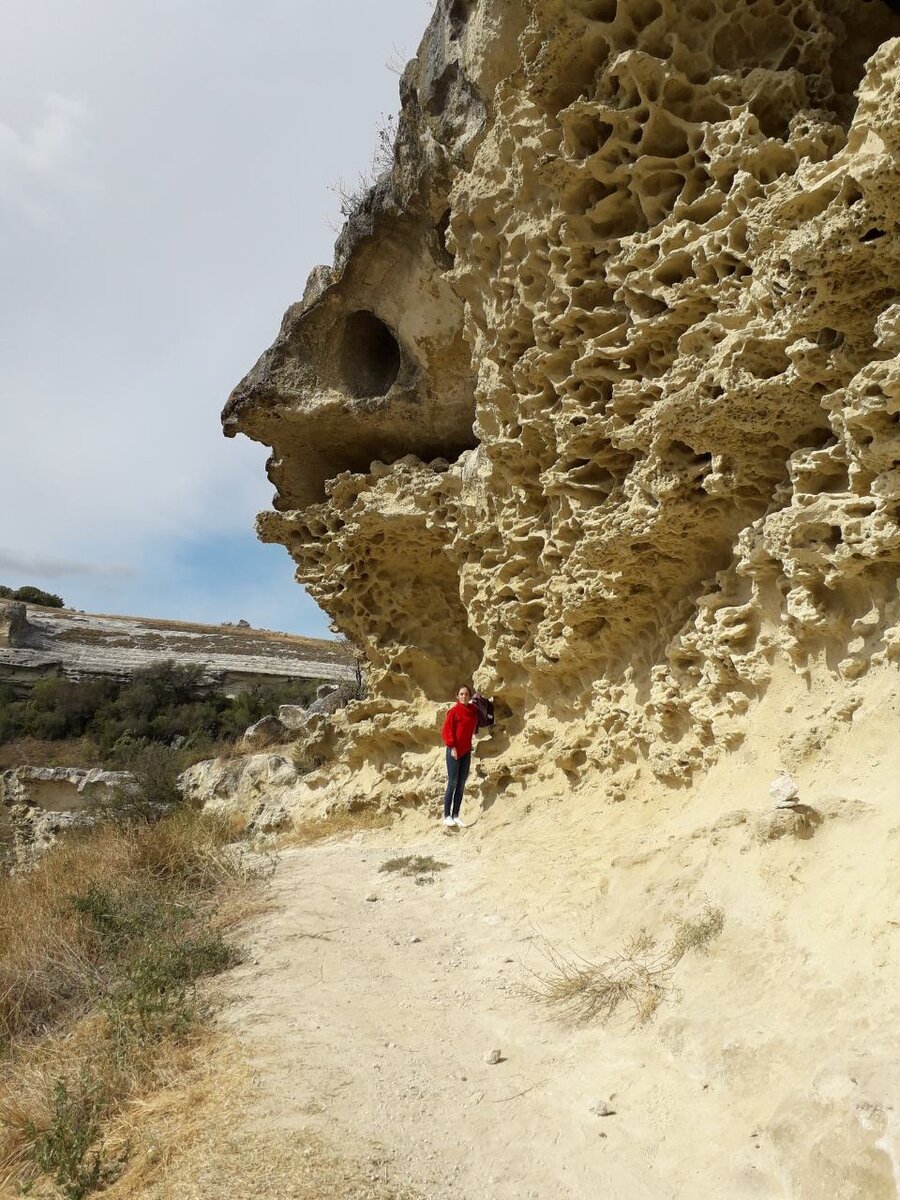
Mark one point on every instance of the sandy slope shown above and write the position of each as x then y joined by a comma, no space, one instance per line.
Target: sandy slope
770,1070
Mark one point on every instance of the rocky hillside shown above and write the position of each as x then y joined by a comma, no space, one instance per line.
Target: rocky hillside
49,641
598,404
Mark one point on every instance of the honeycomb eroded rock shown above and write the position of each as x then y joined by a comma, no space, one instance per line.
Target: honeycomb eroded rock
600,401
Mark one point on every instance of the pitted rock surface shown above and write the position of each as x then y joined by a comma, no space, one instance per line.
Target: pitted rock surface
37,804
61,789
258,786
599,403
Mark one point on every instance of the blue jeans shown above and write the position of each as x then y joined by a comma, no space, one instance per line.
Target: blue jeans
457,774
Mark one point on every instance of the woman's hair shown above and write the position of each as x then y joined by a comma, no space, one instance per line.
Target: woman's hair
460,688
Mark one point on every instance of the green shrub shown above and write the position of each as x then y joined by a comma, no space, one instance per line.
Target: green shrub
118,919
155,996
32,595
62,1150
155,768
161,703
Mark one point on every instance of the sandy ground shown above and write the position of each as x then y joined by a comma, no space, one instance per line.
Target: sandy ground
769,1070
369,1019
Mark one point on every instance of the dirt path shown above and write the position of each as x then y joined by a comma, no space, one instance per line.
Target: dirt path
368,1006
769,1068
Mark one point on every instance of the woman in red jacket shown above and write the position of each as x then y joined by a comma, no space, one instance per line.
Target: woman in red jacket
459,729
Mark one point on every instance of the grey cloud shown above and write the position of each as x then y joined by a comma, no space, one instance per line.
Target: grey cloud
36,166
47,567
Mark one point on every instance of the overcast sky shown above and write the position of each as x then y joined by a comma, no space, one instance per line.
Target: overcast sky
166,176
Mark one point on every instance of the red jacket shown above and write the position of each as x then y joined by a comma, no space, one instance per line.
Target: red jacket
459,728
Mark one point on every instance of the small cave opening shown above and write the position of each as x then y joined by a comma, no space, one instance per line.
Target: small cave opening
370,355
458,15
443,228
851,52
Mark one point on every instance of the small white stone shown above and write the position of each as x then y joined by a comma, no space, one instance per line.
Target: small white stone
492,1057
784,789
371,898
414,939
601,1108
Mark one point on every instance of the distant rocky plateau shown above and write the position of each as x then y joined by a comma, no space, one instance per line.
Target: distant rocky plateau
598,404
44,642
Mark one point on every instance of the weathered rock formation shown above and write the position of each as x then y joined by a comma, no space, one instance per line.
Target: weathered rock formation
39,803
60,789
80,645
260,787
599,402
13,623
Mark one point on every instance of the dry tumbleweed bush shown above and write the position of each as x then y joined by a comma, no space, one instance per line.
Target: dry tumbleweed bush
638,978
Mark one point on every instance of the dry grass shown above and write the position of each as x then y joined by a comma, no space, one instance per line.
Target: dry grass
155,1113
101,948
337,825
635,980
222,1154
37,752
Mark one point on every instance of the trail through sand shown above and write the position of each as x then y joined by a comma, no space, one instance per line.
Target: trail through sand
368,1001
369,1006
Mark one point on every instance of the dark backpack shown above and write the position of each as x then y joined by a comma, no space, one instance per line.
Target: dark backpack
484,710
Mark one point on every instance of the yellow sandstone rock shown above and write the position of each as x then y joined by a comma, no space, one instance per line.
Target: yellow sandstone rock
599,404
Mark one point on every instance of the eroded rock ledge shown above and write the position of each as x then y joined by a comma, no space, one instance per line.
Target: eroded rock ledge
599,402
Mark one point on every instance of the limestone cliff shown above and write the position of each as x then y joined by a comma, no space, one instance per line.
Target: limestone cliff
77,645
598,404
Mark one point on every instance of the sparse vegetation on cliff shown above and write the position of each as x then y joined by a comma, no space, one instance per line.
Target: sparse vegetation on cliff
32,595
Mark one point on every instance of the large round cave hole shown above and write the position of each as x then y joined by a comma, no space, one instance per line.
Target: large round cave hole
370,355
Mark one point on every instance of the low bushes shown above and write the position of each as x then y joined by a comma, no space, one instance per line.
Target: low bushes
421,867
32,595
161,703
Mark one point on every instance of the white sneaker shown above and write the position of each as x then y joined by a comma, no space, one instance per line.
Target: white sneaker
449,821
456,821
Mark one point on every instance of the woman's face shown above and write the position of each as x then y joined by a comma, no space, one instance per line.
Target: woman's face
464,695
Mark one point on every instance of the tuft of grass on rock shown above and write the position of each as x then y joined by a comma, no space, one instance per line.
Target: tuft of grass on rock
697,934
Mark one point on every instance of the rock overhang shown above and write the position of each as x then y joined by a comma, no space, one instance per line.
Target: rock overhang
373,369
